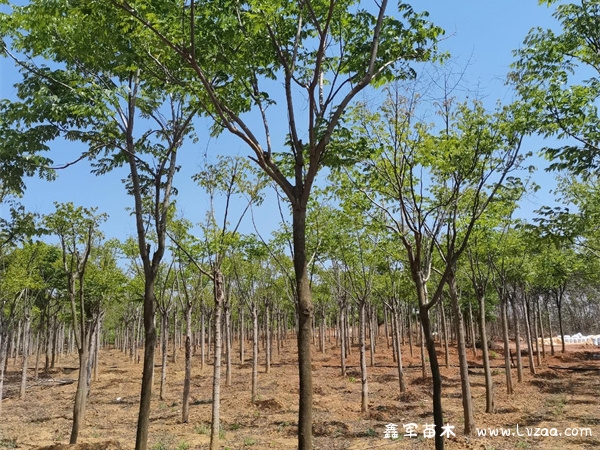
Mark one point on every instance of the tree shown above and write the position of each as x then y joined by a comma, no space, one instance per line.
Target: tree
559,98
433,187
110,101
77,231
325,53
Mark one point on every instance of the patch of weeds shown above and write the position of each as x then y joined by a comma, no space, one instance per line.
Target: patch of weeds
202,429
352,379
370,432
164,443
183,445
162,405
8,443
249,441
557,405
96,434
493,355
235,426
523,444
221,433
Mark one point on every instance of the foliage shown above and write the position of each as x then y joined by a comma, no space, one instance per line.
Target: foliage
556,76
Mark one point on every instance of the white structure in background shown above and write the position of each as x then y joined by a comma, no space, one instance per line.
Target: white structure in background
592,339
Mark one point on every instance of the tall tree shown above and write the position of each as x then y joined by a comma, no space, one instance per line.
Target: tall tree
558,97
77,231
110,101
433,186
325,52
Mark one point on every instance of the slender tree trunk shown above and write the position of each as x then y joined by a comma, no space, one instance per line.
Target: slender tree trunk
164,340
364,397
467,402
216,395
540,324
438,415
267,340
305,311
559,295
410,327
80,395
398,345
445,335
202,336
536,333
422,348
141,441
517,340
489,384
26,337
4,338
243,337
505,338
528,335
17,346
372,338
37,354
550,330
185,404
254,314
472,328
227,344
343,339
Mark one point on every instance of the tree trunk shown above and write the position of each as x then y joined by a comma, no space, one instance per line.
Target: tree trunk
243,337
372,338
438,415
559,298
227,343
550,330
364,392
528,334
164,342
4,338
305,313
81,394
267,340
254,314
517,340
216,394
141,441
343,339
185,404
26,337
467,402
540,324
445,335
505,338
472,328
398,346
202,336
410,327
489,384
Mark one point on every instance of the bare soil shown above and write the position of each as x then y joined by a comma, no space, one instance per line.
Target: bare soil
563,394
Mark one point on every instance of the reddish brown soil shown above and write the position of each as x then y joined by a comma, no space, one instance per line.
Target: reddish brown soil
554,398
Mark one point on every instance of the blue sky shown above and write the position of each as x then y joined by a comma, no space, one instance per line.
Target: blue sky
480,35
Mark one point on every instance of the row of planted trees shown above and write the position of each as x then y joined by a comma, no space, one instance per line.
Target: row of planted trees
419,212
58,298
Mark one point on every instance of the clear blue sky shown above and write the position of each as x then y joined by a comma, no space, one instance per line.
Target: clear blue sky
479,34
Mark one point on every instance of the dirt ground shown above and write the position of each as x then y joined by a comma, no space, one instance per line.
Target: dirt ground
563,397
